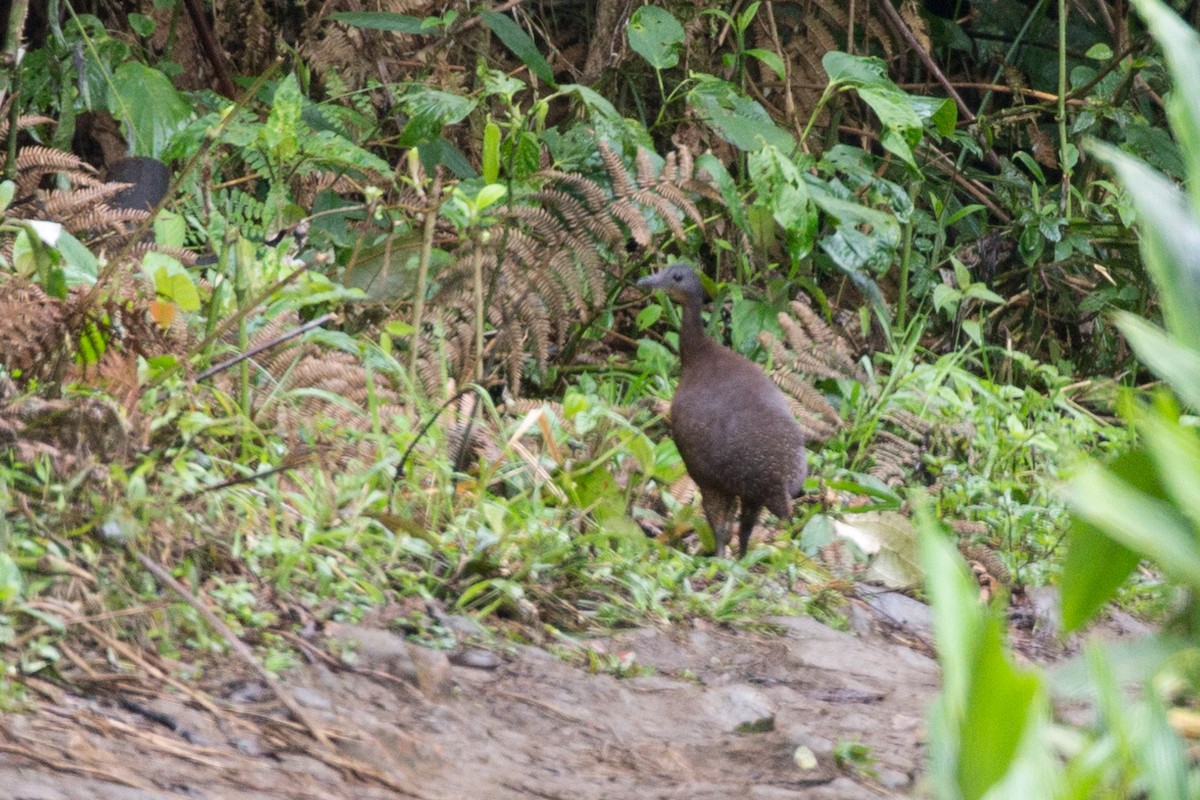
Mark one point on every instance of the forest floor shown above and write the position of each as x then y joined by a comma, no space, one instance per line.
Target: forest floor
703,711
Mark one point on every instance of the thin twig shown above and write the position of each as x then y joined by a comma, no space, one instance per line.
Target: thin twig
253,351
906,33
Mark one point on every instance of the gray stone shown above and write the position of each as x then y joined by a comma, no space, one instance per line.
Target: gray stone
902,610
310,698
893,779
740,709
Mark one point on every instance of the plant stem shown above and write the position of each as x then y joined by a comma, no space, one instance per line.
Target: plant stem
905,265
477,265
1063,141
431,209
12,57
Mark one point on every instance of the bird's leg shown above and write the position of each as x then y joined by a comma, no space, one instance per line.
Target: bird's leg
718,508
748,518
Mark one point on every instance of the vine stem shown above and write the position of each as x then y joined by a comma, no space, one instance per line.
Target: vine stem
431,212
1063,141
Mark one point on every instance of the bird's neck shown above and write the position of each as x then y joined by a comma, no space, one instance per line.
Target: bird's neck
693,341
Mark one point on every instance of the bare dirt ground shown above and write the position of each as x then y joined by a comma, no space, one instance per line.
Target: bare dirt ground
707,712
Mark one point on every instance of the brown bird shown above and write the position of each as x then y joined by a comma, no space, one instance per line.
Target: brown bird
732,425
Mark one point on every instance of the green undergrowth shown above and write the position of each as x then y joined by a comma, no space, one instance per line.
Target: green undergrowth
540,541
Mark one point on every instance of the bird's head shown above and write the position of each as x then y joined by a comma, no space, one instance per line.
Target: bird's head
679,280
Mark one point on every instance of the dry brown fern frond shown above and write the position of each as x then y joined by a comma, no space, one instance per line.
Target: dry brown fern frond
313,394
82,209
34,330
41,335
547,264
23,122
659,192
810,349
34,163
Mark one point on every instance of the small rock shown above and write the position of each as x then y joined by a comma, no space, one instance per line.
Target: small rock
464,627
741,709
372,648
902,610
382,651
310,698
475,658
892,779
432,671
800,736
804,758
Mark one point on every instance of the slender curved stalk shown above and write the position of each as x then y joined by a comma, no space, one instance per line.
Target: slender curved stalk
1063,141
8,88
431,209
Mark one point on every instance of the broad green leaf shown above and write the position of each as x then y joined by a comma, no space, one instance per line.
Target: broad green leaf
80,267
973,330
726,186
1164,759
172,281
817,533
7,189
1176,452
958,618
443,152
152,110
771,59
12,585
1139,521
998,713
491,152
986,703
382,21
780,188
1170,241
518,41
595,102
856,71
489,194
894,110
901,125
648,316
1166,356
938,112
1094,568
642,450
170,229
736,119
946,299
429,111
890,539
141,24
655,35
1181,45
398,329
283,130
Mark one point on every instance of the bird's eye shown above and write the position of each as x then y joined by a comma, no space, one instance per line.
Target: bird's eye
678,277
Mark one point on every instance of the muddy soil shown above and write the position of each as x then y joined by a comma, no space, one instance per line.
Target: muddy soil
704,711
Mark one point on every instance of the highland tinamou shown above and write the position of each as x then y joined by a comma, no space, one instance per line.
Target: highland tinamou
732,425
